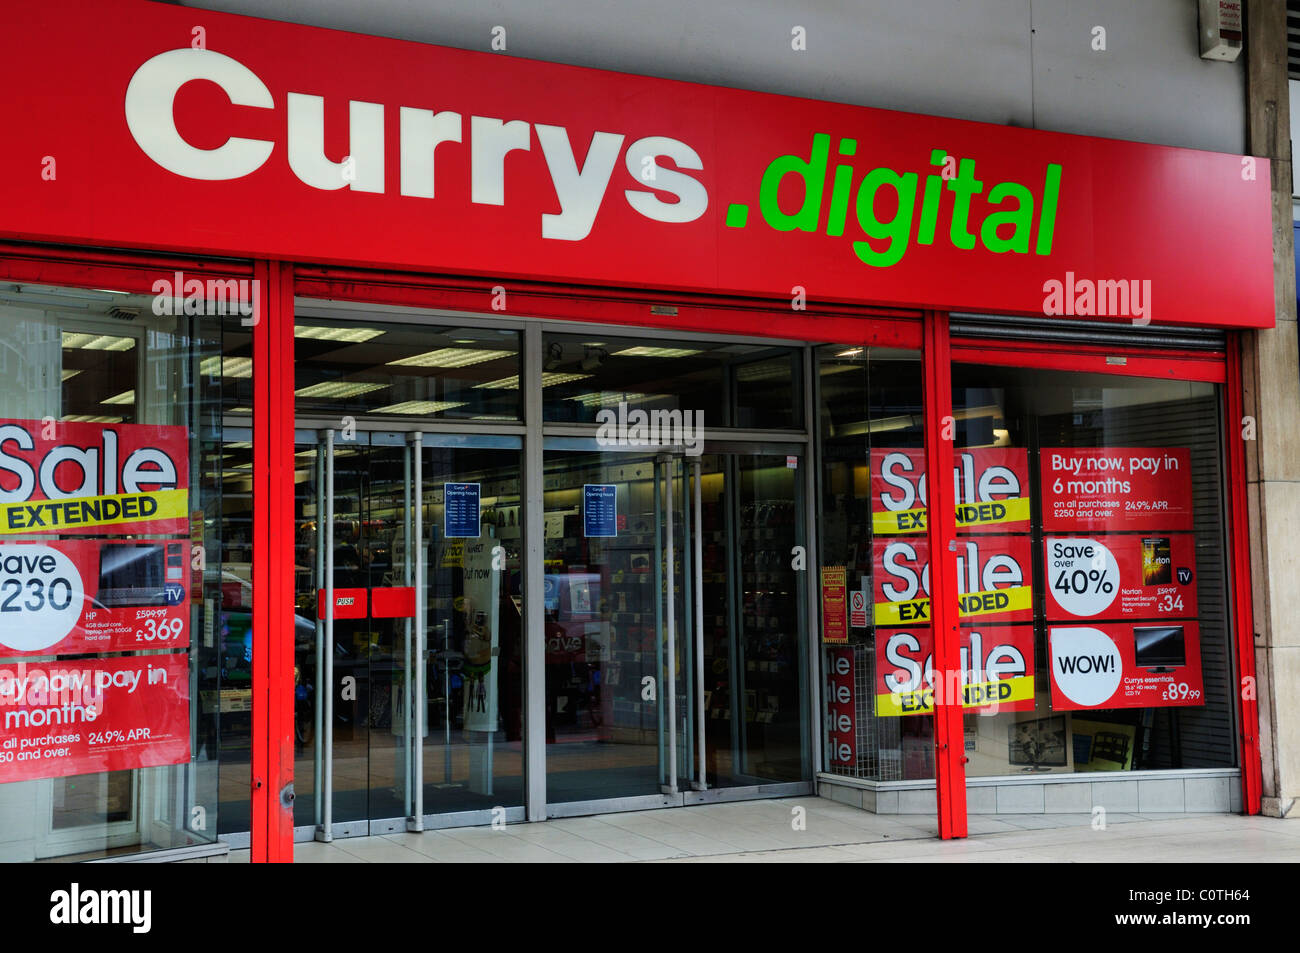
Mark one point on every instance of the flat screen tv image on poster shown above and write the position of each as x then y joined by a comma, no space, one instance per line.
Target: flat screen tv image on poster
1116,489
72,597
83,478
994,579
991,483
1130,576
91,715
1125,665
997,665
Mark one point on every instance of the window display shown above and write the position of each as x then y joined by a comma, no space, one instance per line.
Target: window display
108,582
1090,576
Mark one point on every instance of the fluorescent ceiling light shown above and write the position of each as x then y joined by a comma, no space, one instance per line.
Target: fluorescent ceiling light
605,399
89,419
239,445
339,389
338,452
549,379
656,352
126,397
851,352
80,341
68,375
230,366
315,332
450,357
419,407
764,371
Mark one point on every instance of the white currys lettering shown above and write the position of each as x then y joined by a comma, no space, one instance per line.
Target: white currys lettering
580,189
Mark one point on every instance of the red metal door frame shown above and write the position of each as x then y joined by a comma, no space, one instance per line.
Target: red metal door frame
273,579
1243,610
1126,362
949,737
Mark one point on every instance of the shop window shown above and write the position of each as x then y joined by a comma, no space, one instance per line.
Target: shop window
1125,541
111,573
749,386
1091,571
877,719
404,372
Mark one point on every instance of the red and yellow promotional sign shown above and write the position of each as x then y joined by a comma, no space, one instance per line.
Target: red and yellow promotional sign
994,579
1131,576
834,608
72,597
81,478
991,483
1125,665
92,715
997,666
1116,489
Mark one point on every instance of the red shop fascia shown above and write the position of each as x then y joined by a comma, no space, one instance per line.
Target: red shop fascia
146,139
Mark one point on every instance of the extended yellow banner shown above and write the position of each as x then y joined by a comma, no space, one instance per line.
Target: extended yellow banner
51,516
1000,691
990,602
892,522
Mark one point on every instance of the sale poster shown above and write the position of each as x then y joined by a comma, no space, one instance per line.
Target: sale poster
997,670
841,711
834,612
994,579
83,478
92,715
1125,665
72,597
1117,489
991,484
1137,576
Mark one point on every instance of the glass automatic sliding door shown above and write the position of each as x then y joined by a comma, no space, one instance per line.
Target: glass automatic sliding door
751,608
618,723
674,625
408,656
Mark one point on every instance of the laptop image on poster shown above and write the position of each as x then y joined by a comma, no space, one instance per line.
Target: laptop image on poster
138,574
1159,648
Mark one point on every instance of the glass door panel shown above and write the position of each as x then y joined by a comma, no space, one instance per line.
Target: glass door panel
753,703
617,719
472,756
416,630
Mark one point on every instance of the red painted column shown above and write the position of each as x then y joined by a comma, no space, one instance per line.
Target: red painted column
272,742
949,739
1243,611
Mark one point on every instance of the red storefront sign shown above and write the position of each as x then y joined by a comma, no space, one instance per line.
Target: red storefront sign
994,579
992,487
1130,576
841,701
72,597
82,717
1117,488
78,478
997,669
1125,665
480,164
